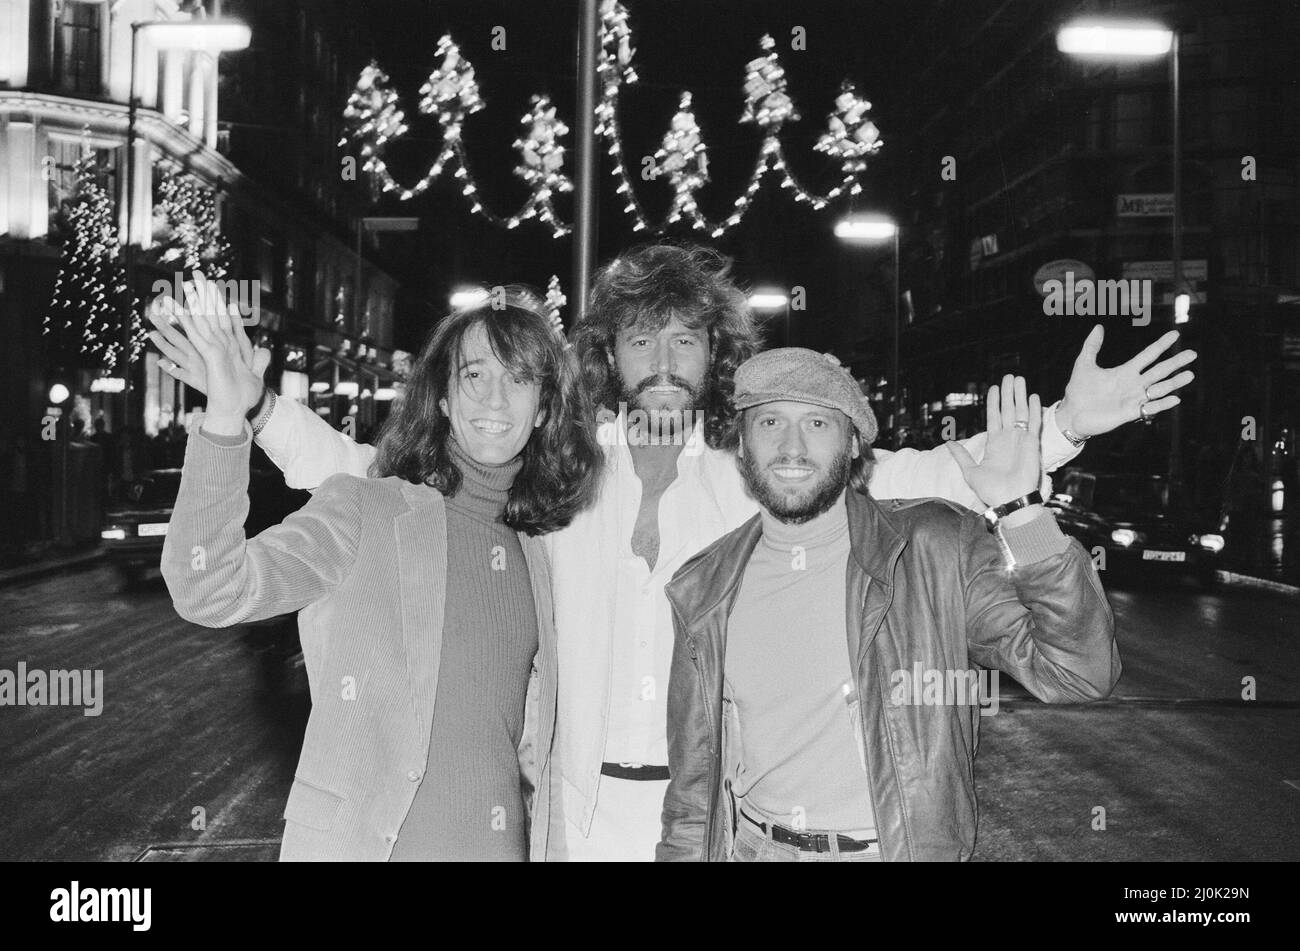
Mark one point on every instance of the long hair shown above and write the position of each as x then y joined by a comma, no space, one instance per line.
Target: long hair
561,460
642,290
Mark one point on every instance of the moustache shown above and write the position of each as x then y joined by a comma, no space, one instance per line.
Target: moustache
665,380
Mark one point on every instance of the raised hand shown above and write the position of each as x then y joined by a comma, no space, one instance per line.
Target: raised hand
181,360
1012,463
1099,399
222,350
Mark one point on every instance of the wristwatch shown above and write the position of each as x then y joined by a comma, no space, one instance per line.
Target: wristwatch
998,512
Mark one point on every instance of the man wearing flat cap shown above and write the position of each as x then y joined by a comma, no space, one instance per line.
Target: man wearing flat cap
789,738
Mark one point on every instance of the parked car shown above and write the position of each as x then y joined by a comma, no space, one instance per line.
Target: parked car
1143,532
134,531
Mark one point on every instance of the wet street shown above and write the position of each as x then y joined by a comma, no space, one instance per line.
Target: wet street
193,754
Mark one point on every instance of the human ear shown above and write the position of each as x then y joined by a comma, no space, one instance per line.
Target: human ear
442,405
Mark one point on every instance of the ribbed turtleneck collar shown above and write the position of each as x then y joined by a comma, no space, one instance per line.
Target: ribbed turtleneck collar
826,529
484,488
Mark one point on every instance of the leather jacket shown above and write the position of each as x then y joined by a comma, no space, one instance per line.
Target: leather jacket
927,583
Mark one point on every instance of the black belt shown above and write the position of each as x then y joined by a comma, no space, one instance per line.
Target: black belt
810,841
625,771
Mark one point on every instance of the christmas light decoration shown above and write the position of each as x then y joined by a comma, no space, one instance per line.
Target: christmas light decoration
188,227
452,93
91,299
684,159
555,301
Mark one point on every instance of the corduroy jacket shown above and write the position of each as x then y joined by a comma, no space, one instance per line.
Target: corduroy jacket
927,584
365,561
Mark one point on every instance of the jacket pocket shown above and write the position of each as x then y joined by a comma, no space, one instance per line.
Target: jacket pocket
312,806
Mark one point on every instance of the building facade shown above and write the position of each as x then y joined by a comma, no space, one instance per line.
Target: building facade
253,133
1050,163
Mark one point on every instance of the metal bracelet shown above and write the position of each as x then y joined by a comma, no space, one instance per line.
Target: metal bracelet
265,416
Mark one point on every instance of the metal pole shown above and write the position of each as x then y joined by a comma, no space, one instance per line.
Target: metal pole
894,371
129,316
1175,420
356,285
584,193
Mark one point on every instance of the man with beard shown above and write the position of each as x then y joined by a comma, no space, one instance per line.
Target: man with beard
784,743
665,330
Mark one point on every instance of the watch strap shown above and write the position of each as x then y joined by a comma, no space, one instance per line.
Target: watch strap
998,512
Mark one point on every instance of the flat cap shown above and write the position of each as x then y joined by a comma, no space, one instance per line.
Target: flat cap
804,376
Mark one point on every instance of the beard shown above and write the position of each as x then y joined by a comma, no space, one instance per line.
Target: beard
635,396
815,500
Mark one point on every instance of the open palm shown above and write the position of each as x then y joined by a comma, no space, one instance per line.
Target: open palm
1012,462
180,358
1099,399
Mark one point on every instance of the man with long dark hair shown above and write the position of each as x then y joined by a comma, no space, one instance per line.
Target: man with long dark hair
665,331
425,594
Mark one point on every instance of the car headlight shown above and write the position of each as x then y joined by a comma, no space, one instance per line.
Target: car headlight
1124,537
1211,542
113,534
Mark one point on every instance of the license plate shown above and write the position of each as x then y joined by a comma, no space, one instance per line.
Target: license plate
151,528
1150,555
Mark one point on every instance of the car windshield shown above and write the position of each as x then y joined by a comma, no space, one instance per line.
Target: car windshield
1129,497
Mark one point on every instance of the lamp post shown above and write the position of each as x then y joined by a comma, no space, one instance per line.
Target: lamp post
1110,39
210,35
873,229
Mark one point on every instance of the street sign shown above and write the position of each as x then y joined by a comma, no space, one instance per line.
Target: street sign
1195,270
1056,271
1145,205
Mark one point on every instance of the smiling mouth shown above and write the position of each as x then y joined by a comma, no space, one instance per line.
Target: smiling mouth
664,389
491,427
792,473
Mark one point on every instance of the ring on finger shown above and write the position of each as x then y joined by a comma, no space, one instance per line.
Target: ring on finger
1021,424
1142,413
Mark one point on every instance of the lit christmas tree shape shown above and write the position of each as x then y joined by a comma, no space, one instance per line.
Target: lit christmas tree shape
91,300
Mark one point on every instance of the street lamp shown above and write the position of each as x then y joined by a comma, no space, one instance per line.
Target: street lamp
464,297
1111,39
211,35
874,229
770,299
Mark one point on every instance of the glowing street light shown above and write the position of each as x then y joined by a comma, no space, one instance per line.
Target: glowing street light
1108,38
866,228
1114,39
467,297
768,300
875,229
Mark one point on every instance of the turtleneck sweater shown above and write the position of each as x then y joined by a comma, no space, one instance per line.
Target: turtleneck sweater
469,806
789,679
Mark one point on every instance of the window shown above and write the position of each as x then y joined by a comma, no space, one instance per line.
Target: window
61,162
77,47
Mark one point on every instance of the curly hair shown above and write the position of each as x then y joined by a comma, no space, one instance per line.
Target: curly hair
642,290
562,462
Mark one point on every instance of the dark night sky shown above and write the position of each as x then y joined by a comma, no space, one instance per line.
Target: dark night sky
702,47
